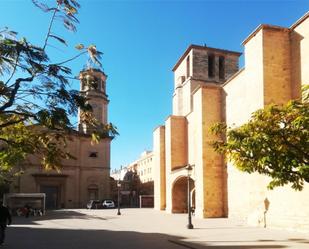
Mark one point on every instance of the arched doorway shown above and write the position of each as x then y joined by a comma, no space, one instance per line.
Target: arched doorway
180,195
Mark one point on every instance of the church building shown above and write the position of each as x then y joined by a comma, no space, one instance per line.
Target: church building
85,178
209,88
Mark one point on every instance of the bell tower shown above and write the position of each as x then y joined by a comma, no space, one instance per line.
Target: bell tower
93,87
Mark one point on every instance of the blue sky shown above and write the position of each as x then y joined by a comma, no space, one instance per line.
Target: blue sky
141,41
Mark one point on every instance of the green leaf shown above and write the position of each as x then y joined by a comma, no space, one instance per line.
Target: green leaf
58,39
79,46
274,142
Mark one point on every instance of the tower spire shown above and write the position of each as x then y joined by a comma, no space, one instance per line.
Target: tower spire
93,87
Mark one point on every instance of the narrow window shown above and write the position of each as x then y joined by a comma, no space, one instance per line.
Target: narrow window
188,66
211,66
221,68
99,85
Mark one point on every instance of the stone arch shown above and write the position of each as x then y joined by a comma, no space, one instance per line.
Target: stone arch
180,194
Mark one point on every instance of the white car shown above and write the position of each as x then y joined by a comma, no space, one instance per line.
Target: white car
108,204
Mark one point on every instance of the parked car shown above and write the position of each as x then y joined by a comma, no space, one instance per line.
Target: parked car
108,204
94,204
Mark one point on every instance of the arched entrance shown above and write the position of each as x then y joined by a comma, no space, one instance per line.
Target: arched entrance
180,195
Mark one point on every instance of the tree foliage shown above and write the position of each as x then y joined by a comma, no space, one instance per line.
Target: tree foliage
36,101
274,142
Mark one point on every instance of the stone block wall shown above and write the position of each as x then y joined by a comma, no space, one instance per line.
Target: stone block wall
192,72
176,142
75,176
213,162
159,168
276,65
176,153
209,166
299,36
184,70
275,54
178,101
201,64
232,65
195,125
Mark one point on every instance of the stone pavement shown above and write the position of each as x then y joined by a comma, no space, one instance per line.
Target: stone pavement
142,228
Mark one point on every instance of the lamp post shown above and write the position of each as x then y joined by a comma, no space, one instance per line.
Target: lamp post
189,170
118,186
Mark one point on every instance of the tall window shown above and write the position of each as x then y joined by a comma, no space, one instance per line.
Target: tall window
221,67
188,66
99,85
93,192
211,66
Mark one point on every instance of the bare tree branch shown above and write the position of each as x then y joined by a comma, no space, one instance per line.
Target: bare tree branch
50,26
14,91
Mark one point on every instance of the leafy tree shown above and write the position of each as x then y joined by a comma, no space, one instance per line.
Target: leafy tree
36,101
274,142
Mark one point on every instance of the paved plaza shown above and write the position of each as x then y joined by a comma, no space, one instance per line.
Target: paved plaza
141,228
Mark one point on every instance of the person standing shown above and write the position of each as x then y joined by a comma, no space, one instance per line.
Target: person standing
5,219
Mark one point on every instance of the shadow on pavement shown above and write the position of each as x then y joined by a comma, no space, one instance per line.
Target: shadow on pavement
199,246
29,233
223,227
42,238
55,215
304,241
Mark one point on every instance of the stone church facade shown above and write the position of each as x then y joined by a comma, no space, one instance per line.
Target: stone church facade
210,88
82,179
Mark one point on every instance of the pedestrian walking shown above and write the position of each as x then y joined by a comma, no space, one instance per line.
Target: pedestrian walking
5,219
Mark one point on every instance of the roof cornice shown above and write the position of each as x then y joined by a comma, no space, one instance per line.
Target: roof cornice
263,26
192,46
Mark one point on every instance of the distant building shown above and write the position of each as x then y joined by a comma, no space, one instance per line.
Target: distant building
82,179
210,88
136,179
144,167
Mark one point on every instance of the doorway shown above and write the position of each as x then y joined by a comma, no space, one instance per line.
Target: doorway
180,195
52,196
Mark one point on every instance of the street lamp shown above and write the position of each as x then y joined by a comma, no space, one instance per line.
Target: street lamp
189,170
118,186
